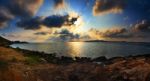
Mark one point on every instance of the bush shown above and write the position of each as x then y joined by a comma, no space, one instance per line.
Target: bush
14,59
3,64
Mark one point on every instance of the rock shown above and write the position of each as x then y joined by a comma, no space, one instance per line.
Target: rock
100,59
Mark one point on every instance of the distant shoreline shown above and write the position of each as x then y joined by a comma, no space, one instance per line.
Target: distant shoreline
66,59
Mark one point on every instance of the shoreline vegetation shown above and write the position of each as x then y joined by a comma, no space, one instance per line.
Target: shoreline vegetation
23,65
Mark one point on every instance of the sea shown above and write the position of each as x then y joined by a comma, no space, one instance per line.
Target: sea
88,49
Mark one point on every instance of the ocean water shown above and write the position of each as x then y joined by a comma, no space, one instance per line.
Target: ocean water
87,49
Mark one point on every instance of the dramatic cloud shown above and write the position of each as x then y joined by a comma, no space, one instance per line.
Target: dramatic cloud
139,30
66,35
54,21
25,10
33,23
143,26
59,4
61,34
110,33
116,33
4,16
18,8
108,6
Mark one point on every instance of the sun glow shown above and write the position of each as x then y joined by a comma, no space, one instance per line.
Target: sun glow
76,47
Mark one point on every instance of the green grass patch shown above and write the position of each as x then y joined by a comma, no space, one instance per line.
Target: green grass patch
32,60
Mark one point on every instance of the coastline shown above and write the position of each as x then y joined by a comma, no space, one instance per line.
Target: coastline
24,65
66,59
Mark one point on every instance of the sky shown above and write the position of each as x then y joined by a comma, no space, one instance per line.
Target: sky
75,20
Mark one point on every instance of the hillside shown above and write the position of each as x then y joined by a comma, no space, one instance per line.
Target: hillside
4,42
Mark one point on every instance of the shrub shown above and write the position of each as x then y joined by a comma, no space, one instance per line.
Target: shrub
14,59
3,64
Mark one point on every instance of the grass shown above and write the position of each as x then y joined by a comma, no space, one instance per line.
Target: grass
32,60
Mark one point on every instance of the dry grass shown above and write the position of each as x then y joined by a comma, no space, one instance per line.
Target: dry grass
8,54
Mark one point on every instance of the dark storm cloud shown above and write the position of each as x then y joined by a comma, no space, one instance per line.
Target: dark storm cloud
33,23
58,4
54,21
18,8
108,6
59,20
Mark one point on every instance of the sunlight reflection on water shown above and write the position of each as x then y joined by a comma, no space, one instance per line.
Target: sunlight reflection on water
86,49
